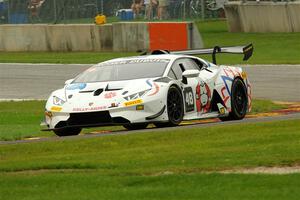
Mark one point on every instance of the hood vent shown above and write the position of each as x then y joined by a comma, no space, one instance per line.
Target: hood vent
86,91
98,92
112,89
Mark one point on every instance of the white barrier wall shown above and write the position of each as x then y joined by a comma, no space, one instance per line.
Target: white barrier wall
42,37
123,36
263,16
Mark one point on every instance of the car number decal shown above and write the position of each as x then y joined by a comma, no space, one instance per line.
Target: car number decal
189,99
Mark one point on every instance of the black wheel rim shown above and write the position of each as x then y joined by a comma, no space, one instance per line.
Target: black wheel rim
240,98
175,107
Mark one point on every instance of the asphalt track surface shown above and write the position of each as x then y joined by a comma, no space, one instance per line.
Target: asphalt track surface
37,81
293,116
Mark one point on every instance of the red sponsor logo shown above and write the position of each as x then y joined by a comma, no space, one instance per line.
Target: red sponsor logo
110,95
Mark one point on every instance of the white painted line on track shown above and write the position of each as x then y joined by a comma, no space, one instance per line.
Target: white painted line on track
18,100
39,64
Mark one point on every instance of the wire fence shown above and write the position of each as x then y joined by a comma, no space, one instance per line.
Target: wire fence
84,11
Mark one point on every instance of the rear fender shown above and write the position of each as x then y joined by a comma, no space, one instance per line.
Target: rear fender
223,85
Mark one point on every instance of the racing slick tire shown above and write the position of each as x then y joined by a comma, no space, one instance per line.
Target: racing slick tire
67,131
135,126
175,108
239,101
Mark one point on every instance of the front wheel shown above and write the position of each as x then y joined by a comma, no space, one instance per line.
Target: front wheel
175,108
67,131
239,101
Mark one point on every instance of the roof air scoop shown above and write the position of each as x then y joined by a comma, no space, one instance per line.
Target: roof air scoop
158,52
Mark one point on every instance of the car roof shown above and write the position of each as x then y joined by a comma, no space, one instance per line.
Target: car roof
160,56
171,57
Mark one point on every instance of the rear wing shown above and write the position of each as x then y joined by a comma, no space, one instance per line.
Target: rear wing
246,50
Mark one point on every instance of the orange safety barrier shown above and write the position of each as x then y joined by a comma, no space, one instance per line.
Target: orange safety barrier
168,36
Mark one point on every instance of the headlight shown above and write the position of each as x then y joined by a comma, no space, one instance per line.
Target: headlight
136,95
58,101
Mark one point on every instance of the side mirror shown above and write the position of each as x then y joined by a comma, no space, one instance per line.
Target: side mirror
191,73
69,81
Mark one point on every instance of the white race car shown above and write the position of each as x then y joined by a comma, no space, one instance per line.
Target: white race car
163,88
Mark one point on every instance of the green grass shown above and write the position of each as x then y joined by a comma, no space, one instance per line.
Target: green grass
60,57
19,120
261,105
22,119
270,48
197,186
190,150
132,166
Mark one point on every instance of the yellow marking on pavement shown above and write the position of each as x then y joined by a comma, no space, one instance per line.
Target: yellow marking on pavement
263,115
33,138
99,132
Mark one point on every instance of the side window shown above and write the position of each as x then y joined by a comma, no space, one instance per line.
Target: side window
199,63
191,64
177,69
183,64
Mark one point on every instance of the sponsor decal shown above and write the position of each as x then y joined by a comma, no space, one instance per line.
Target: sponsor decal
140,107
133,102
89,109
203,97
56,108
134,61
114,105
148,61
222,111
76,86
110,95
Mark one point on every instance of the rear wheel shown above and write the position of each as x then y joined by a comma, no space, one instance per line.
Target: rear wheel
135,126
239,101
175,108
67,131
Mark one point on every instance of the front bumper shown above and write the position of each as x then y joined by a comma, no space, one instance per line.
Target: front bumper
152,111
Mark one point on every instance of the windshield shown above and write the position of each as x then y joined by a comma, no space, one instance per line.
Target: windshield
123,70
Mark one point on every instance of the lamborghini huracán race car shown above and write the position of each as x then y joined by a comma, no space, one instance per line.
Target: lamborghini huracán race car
163,88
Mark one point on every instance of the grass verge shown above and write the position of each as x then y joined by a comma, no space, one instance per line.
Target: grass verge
197,186
60,57
189,150
21,119
160,165
270,48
